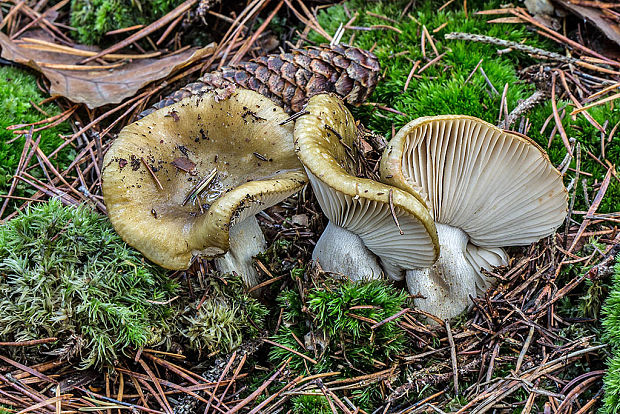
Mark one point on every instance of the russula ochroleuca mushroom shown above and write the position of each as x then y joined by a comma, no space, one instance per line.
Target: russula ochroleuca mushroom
366,218
188,179
486,188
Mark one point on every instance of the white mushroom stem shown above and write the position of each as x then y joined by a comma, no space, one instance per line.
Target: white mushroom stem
246,241
343,252
447,284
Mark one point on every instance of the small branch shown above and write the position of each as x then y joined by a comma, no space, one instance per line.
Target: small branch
522,108
30,343
455,368
508,43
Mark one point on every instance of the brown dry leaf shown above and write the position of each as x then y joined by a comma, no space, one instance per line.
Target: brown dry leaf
89,85
596,17
184,164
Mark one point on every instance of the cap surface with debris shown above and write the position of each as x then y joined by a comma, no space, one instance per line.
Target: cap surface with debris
177,182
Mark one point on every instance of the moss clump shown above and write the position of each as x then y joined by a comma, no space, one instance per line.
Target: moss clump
65,273
94,18
225,319
316,404
17,90
339,314
611,326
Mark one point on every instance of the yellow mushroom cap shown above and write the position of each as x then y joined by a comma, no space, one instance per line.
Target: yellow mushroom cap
363,206
238,140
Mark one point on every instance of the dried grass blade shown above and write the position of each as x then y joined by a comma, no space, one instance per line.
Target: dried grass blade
597,103
30,43
160,390
260,389
54,400
556,116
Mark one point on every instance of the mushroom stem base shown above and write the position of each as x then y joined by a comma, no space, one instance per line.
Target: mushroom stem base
246,241
341,251
447,284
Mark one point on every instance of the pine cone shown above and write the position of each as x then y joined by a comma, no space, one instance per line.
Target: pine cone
290,79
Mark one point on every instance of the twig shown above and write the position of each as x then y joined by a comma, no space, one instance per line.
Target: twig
509,43
391,201
523,107
30,343
455,368
526,346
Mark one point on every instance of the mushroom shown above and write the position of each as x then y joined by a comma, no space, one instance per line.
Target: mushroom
188,179
366,218
486,188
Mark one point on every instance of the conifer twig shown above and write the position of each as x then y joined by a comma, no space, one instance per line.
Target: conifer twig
523,107
509,44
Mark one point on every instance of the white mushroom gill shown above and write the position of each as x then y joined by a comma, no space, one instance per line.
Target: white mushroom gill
361,229
486,188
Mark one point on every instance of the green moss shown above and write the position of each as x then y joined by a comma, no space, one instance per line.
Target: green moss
442,88
611,310
93,18
310,404
225,319
611,325
18,89
65,273
216,327
340,314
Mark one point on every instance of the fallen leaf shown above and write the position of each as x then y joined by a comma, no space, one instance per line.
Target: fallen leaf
91,84
184,164
300,220
596,17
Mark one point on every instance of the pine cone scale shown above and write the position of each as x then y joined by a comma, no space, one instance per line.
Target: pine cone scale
290,79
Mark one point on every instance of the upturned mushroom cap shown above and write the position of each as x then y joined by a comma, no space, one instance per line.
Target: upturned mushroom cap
498,187
486,188
323,138
237,140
